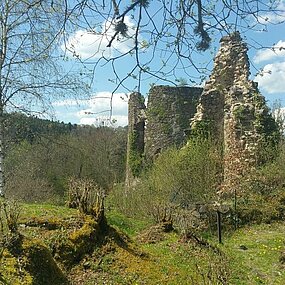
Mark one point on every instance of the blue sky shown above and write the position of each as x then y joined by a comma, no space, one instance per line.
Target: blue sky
89,46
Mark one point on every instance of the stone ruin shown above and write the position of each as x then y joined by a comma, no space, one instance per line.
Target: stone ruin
230,107
164,123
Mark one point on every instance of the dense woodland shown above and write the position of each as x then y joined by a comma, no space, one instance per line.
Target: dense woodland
42,155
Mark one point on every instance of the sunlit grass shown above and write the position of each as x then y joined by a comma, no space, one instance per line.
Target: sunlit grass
259,262
46,211
128,225
249,255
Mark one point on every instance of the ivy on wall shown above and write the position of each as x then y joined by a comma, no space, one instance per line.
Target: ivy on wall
135,155
202,129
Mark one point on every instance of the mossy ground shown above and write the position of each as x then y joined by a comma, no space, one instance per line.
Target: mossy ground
248,256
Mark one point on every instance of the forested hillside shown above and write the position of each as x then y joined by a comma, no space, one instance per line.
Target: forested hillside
41,155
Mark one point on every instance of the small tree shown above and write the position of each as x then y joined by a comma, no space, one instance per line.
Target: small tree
180,185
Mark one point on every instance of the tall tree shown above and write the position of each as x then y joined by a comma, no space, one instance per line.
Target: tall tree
30,32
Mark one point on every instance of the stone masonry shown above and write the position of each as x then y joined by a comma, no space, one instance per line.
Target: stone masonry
230,106
234,108
136,130
169,112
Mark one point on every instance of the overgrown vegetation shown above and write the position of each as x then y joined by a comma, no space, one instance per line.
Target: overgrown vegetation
135,155
162,230
261,196
174,188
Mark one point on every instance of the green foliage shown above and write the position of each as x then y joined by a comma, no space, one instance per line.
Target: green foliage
19,127
269,128
262,196
135,155
202,129
240,112
177,180
272,136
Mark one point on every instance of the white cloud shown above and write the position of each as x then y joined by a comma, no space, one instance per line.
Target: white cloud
87,44
272,78
96,109
277,51
104,100
274,17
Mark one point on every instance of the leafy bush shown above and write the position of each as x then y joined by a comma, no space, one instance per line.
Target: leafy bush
178,181
262,198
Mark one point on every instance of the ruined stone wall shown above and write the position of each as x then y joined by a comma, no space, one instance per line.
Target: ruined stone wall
164,123
169,112
230,107
233,108
136,129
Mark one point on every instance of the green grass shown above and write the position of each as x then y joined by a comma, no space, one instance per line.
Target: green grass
46,211
128,225
259,263
249,255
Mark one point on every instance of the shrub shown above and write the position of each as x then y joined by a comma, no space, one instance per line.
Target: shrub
9,215
178,181
85,195
262,198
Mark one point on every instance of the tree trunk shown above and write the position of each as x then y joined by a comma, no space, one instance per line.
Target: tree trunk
2,177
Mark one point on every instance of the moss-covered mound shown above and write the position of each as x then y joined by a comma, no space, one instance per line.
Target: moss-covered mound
41,265
31,264
46,247
70,248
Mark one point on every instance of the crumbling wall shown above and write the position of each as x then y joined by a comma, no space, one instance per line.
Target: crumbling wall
136,129
169,112
233,109
230,108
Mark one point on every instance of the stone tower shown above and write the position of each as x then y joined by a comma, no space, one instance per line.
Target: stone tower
233,109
